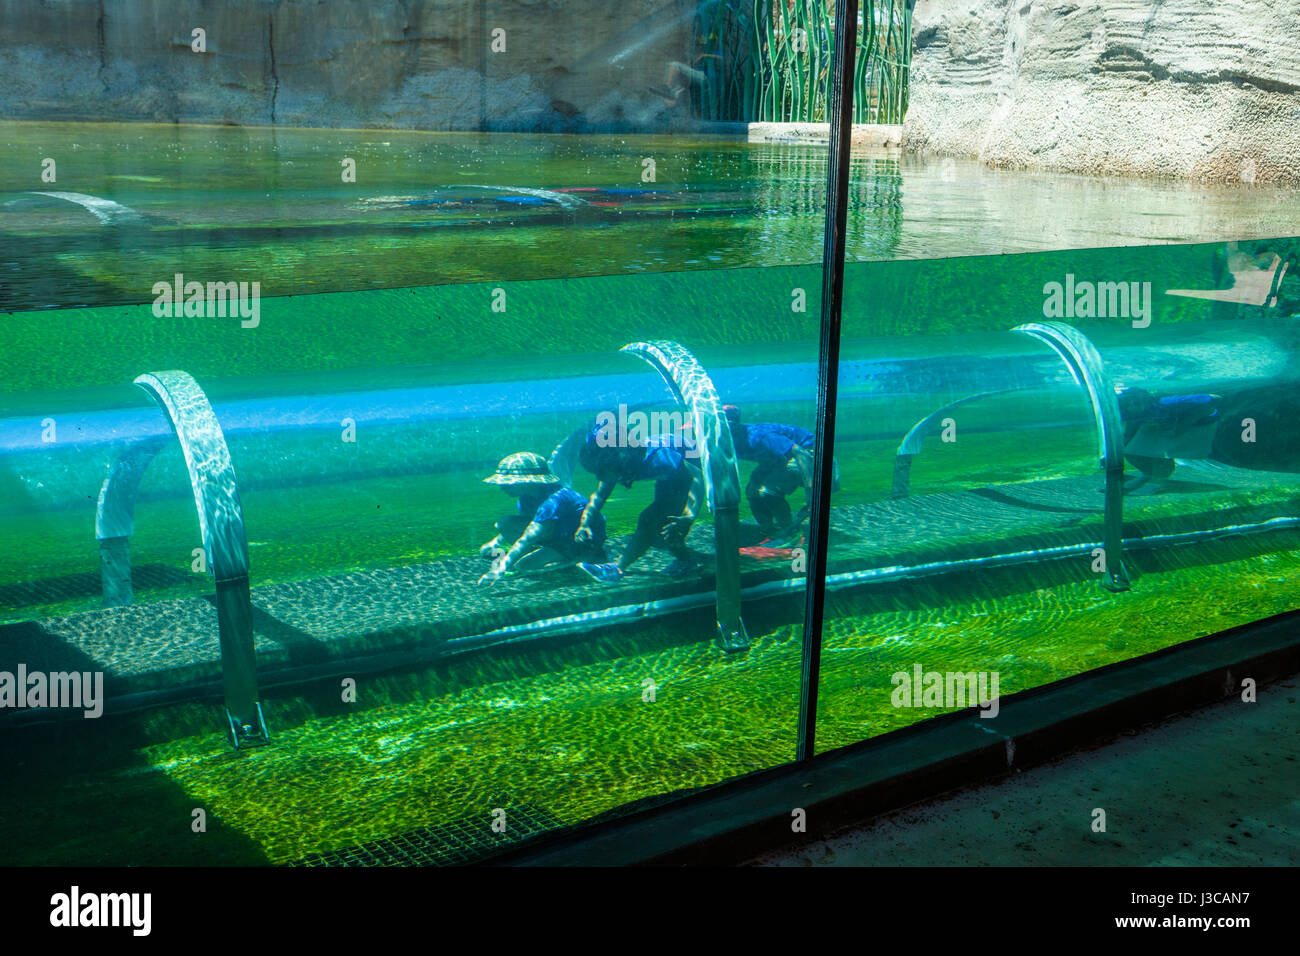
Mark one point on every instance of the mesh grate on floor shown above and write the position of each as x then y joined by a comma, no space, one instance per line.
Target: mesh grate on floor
459,842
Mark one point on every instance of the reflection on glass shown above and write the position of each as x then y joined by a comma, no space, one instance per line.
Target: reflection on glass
519,399
969,545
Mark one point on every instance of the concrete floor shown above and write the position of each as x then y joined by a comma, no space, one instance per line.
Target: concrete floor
1215,787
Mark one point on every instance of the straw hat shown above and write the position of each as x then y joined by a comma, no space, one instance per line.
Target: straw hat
523,468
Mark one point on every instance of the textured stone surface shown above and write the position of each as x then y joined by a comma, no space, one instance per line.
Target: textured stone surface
423,64
1202,89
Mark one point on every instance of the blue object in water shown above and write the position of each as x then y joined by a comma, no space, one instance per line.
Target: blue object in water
604,573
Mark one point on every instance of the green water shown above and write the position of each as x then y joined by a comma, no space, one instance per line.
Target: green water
295,536
270,205
567,729
374,285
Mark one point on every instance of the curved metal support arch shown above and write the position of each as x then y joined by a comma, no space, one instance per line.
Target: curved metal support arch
1085,364
115,520
911,444
691,384
105,210
221,523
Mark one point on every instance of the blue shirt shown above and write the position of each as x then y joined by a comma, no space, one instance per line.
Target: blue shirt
560,514
770,443
1174,410
663,457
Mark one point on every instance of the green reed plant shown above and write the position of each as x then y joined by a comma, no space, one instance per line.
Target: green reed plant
770,60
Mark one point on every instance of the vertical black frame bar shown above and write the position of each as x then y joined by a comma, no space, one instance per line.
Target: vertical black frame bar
828,364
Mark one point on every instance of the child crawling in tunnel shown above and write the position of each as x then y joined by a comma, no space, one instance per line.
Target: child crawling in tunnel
784,463
541,530
666,521
1159,430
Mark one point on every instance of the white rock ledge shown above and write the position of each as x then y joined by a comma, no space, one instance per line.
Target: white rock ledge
1205,90
864,134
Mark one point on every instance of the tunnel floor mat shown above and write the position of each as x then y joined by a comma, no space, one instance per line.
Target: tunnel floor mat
460,842
416,614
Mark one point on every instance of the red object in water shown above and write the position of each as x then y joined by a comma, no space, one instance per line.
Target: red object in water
760,553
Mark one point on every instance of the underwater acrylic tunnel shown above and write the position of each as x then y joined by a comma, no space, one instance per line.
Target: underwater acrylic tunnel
364,505
337,438
1180,405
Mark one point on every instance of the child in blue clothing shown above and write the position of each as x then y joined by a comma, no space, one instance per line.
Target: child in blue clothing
544,522
666,521
784,457
1158,430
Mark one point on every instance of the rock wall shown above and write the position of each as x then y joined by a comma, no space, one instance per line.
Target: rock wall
1201,89
425,64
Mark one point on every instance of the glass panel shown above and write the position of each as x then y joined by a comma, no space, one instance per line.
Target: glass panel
969,547
439,329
